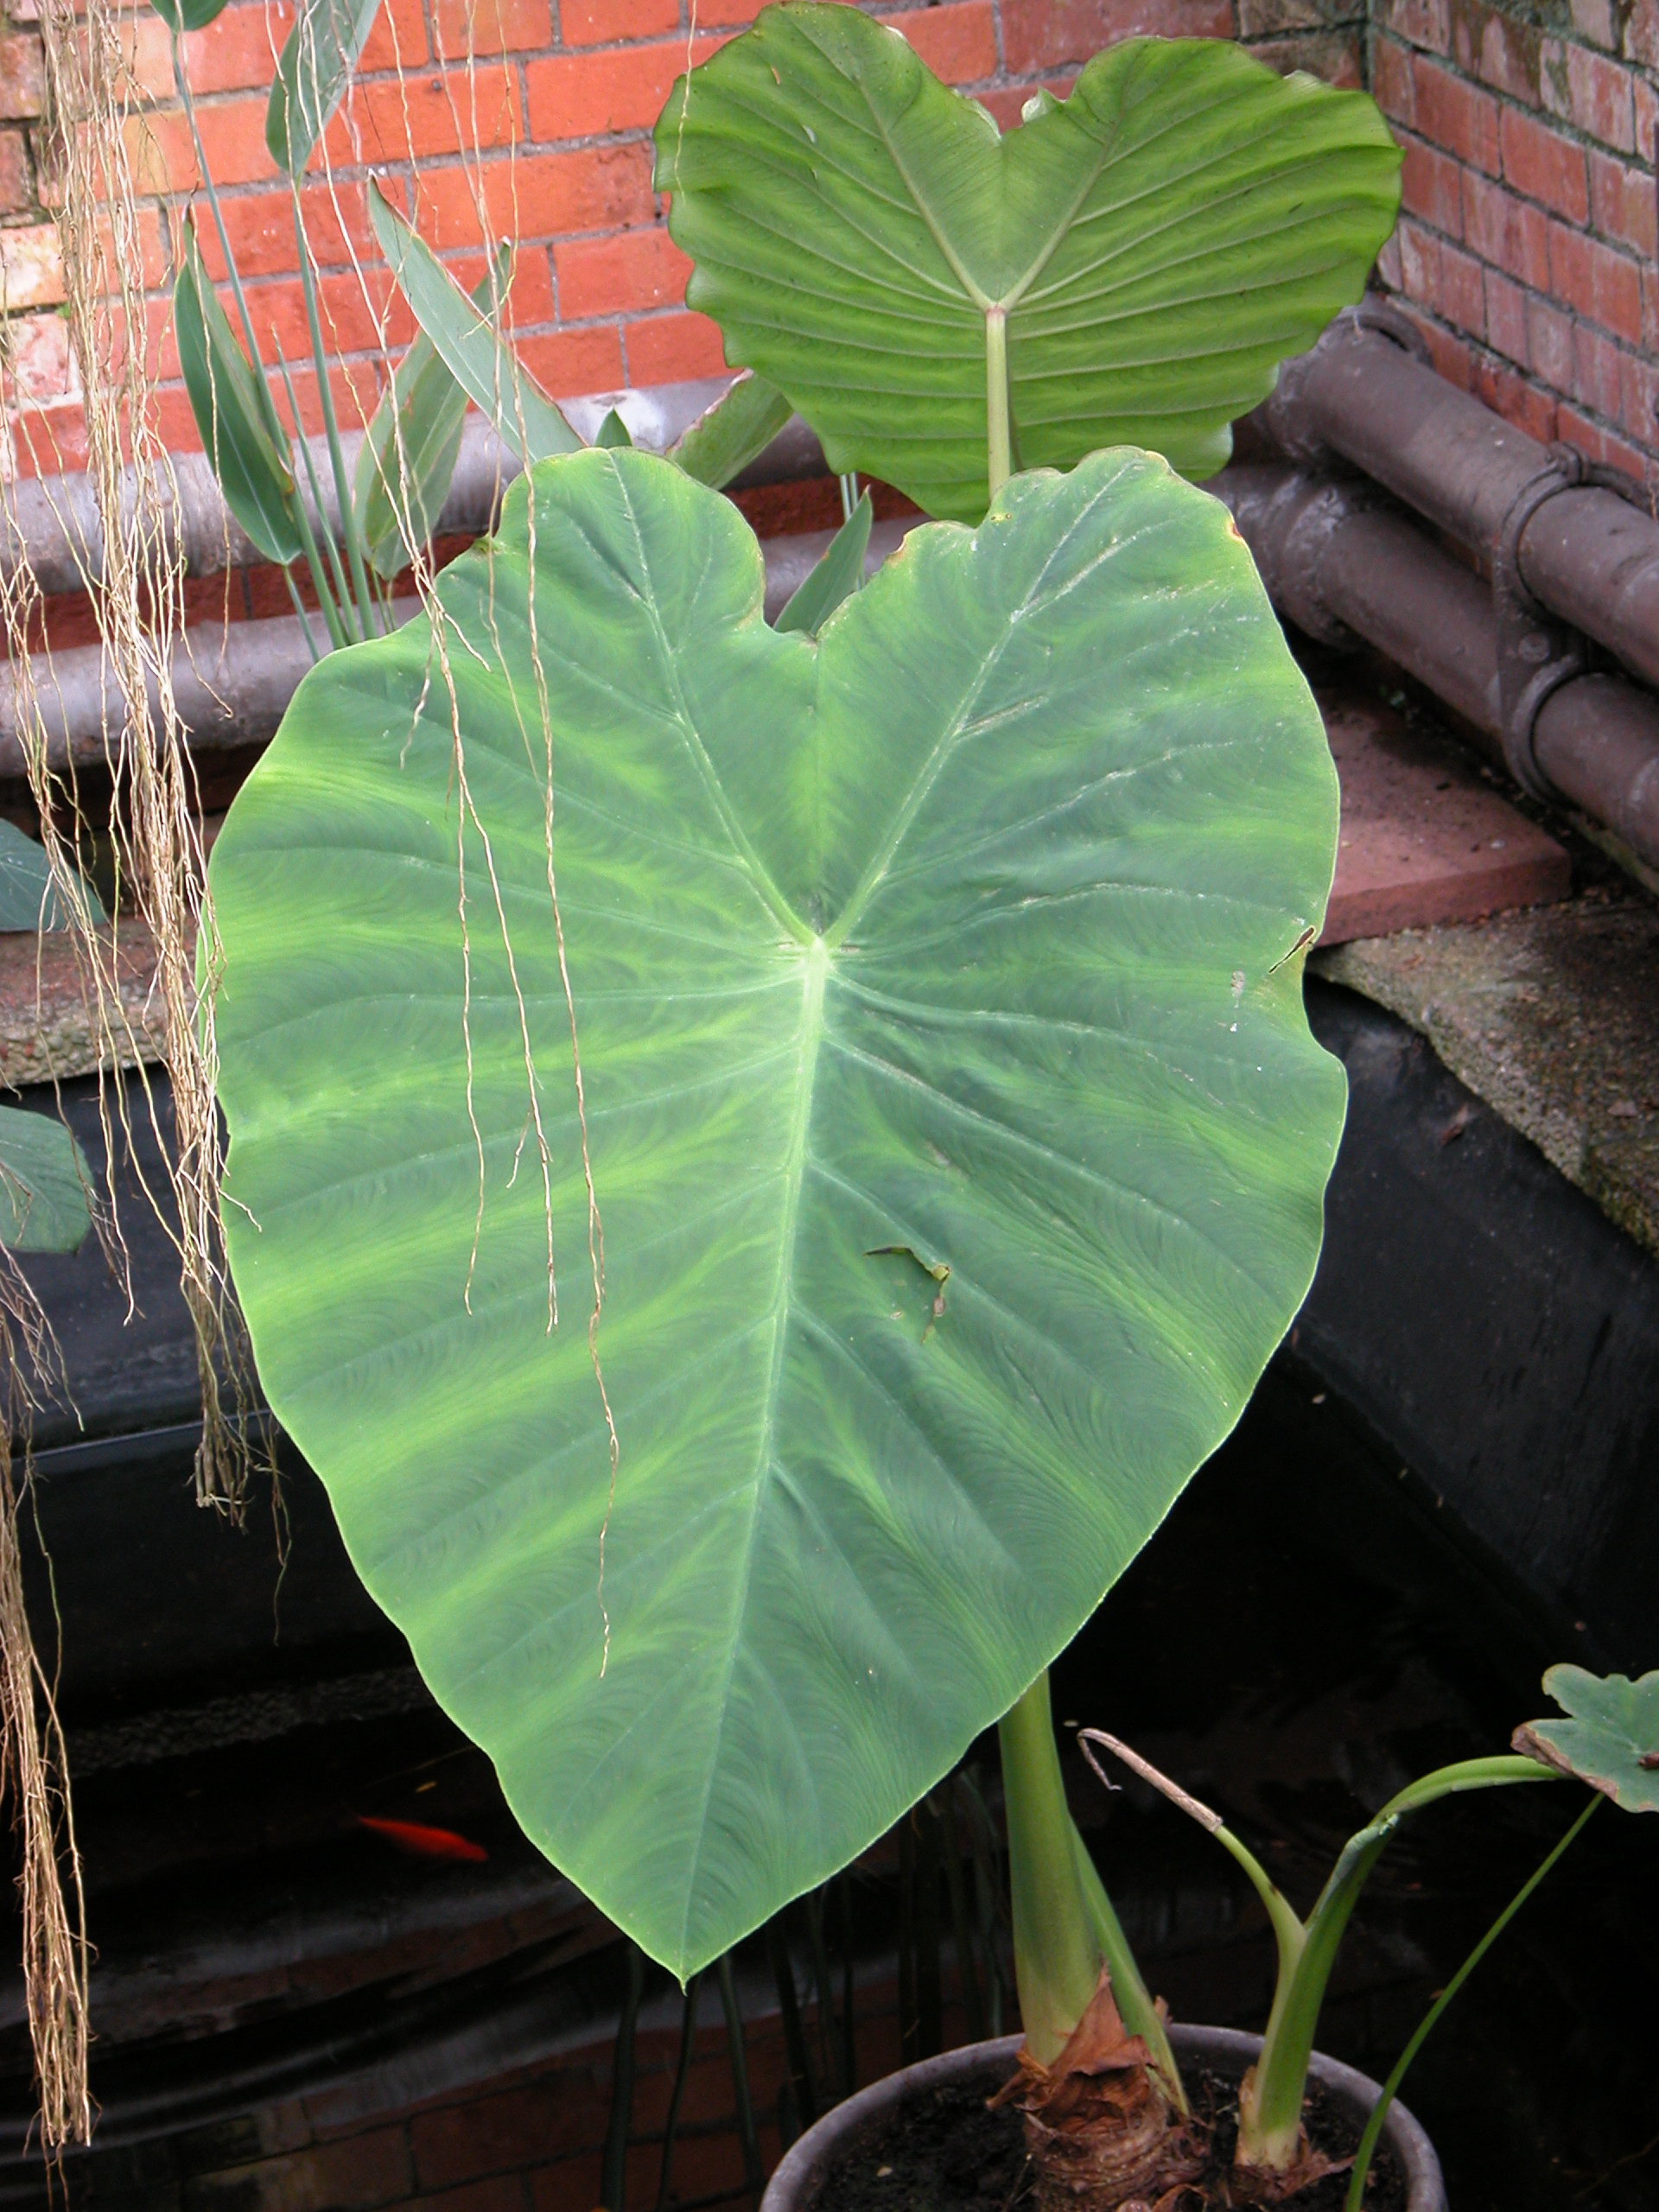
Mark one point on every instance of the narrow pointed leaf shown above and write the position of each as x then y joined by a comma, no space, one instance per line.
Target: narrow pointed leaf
735,430
313,74
43,1184
473,350
256,479
1610,1738
1159,242
839,573
181,16
612,432
956,1129
407,460
28,899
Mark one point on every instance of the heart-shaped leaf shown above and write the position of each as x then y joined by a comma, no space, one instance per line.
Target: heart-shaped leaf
1157,243
956,1131
44,1179
1611,1739
313,72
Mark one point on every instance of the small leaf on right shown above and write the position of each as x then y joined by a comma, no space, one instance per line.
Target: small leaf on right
1610,1738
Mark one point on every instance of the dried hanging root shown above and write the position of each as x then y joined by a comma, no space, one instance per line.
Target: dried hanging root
33,1772
137,588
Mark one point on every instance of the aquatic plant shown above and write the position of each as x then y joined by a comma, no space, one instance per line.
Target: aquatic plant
901,1007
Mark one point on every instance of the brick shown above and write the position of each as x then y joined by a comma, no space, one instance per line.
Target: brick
572,2182
41,366
1546,166
1624,206
1647,119
1420,264
1422,23
1650,310
1596,21
1332,56
52,441
1388,265
494,26
430,114
617,88
22,76
1506,56
1517,399
1046,33
1597,371
1597,280
1463,291
506,2194
232,137
620,275
31,268
566,363
1641,40
670,348
1549,344
1596,94
598,22
1506,318
1455,116
364,2171
1391,82
17,186
539,196
397,38
957,41
1509,232
1639,411
1431,186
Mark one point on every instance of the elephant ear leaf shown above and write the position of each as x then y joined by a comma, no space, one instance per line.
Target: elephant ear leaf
1154,245
955,1124
255,477
312,72
1610,1738
29,898
44,1180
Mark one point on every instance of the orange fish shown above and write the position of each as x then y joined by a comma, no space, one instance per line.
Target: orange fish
422,1842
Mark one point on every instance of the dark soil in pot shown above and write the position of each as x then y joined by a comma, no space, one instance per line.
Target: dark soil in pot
944,2150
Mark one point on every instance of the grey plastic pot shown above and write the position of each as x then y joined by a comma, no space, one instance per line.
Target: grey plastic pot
795,2186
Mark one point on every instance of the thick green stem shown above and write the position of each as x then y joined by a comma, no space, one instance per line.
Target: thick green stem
1367,2141
999,439
1270,2099
1063,1923
1056,1957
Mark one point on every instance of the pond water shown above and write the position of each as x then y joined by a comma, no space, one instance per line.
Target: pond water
1302,1637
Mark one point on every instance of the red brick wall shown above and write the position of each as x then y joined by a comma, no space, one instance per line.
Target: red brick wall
560,102
1528,245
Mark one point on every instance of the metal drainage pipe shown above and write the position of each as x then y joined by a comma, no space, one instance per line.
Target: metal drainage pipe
231,683
55,520
1344,563
1364,393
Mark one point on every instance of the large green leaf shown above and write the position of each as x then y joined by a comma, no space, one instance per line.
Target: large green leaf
476,355
1158,243
256,479
313,74
1610,1739
958,1134
44,1180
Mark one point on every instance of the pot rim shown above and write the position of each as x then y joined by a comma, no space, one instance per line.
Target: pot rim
793,2186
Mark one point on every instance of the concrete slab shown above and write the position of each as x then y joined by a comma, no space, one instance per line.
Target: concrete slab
1552,1017
1425,839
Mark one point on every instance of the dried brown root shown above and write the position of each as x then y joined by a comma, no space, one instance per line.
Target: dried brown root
1271,2185
1100,2130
